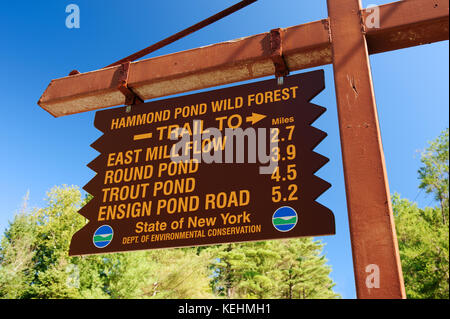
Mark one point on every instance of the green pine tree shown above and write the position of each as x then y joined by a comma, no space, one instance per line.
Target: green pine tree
303,271
290,269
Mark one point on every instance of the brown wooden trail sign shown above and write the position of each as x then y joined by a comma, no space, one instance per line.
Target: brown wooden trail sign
144,199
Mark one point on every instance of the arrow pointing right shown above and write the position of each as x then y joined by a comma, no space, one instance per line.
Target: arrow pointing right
255,118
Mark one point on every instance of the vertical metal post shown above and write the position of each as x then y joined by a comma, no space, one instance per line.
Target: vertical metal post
376,261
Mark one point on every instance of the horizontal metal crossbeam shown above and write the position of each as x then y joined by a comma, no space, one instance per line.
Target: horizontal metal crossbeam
403,24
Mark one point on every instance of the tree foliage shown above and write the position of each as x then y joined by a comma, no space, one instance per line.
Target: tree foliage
34,263
423,234
433,174
289,269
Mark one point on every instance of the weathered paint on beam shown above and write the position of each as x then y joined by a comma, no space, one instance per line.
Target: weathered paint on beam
408,23
372,230
305,46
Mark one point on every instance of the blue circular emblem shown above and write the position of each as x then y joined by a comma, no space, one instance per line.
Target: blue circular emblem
284,219
103,236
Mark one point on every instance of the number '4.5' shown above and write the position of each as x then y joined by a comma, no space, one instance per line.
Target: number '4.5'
291,173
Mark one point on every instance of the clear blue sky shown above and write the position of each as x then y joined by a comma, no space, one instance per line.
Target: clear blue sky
39,151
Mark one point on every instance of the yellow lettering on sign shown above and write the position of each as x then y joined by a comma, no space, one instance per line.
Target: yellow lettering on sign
178,205
140,119
194,222
175,130
145,227
114,194
124,211
192,110
272,96
128,174
123,158
177,186
224,200
227,104
181,168
231,219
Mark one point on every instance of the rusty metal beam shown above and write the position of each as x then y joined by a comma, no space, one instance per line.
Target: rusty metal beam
408,23
304,46
372,230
